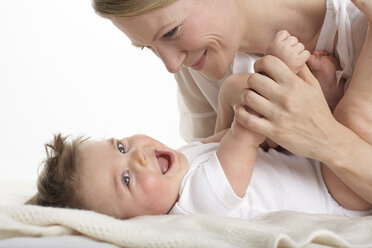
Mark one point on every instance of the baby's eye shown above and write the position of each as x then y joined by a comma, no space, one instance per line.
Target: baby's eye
126,178
121,148
171,33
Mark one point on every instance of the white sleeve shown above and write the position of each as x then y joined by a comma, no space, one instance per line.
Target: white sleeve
206,190
197,116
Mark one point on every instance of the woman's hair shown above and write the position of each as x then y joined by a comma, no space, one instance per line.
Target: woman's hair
127,8
58,182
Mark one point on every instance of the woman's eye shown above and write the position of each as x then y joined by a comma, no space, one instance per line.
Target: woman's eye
126,178
171,33
143,47
121,148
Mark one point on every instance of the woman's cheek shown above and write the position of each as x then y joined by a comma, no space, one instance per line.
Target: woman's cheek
219,60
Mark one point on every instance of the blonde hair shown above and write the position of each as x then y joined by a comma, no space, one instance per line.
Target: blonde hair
58,182
127,8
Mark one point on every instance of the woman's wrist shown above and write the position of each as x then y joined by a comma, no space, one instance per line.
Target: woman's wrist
341,147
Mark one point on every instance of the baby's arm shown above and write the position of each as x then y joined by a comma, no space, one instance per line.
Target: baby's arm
237,153
228,96
215,137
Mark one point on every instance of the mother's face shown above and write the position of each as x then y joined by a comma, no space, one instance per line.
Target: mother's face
199,34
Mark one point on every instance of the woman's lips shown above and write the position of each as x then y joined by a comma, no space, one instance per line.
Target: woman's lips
199,65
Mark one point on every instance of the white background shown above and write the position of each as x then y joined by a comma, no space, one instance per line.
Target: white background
65,69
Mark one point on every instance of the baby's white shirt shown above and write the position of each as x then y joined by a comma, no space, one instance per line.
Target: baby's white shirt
279,182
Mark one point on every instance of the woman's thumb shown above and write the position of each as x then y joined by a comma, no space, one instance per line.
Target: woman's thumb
308,76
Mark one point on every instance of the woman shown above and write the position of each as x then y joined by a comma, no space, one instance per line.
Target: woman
199,41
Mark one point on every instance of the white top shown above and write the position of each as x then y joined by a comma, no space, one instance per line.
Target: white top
197,96
350,25
279,182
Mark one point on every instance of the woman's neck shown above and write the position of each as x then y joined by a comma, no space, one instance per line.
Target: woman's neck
261,20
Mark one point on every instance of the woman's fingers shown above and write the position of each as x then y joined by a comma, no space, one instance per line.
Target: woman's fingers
274,68
263,85
257,102
307,76
295,113
280,73
251,120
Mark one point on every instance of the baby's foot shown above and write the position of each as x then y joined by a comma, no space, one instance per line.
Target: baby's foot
289,50
324,66
365,6
321,58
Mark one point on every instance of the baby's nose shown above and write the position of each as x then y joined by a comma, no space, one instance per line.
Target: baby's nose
140,157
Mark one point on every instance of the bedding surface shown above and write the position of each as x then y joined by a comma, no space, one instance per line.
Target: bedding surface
70,241
277,229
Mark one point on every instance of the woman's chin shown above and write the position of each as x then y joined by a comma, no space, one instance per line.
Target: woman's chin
214,75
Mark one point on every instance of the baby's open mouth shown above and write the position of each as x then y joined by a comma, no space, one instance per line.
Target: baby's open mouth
165,160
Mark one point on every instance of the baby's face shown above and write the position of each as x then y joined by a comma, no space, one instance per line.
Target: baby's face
130,177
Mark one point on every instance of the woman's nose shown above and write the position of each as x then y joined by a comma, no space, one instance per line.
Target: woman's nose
172,58
140,157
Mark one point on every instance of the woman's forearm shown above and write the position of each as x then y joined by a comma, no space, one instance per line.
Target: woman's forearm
350,158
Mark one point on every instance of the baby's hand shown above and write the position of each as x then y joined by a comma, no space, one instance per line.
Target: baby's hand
289,50
238,130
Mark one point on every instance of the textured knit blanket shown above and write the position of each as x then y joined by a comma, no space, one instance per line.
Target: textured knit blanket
278,229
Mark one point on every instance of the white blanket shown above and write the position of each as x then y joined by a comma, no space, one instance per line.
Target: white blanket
279,229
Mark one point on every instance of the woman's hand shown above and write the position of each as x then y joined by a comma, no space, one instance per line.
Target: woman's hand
295,112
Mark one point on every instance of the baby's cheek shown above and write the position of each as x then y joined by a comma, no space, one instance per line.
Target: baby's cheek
155,188
159,197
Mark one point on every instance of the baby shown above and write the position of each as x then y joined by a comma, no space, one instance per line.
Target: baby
226,174
138,176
